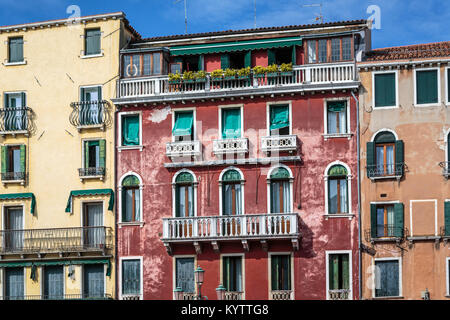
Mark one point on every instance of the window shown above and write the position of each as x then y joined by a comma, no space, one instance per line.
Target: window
339,276
330,50
15,50
279,120
184,195
131,130
385,87
15,113
131,277
323,51
147,64
95,157
387,278
281,272
338,202
91,106
282,55
280,191
183,129
232,274
236,60
231,123
92,42
448,85
53,282
387,220
13,162
131,199
94,233
14,225
232,193
94,281
14,284
427,87
184,274
312,51
337,117
385,156
447,218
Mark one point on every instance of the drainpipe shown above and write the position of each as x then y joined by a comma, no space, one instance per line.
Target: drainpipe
359,195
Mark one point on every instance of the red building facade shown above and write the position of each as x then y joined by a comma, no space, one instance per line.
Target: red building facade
252,177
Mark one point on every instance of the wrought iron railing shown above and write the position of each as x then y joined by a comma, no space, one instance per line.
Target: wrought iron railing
13,176
90,113
59,297
281,295
91,172
233,295
445,168
55,240
386,170
386,232
339,294
16,120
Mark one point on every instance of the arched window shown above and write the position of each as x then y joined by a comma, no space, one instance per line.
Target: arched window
232,193
184,195
280,191
131,199
338,202
385,156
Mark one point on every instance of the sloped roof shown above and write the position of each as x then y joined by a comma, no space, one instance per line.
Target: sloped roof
417,51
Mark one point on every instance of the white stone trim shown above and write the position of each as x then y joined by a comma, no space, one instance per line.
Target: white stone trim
141,271
141,200
350,271
438,88
397,102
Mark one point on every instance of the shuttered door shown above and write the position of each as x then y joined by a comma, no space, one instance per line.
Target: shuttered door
387,279
14,223
447,218
14,283
94,276
398,220
54,282
427,86
131,277
185,274
93,222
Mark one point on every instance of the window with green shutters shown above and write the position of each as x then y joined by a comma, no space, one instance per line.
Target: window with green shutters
95,154
15,50
13,162
232,274
92,42
385,156
427,91
385,89
448,85
281,272
231,123
130,130
447,218
279,120
183,129
387,220
339,271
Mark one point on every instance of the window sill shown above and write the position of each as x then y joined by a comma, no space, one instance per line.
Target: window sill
339,215
385,239
131,224
427,105
10,64
386,108
122,148
21,182
13,133
101,178
337,135
385,177
383,298
95,126
92,56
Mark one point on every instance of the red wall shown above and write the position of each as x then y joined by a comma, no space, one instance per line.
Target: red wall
319,234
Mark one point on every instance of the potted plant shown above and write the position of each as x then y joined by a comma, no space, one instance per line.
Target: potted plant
230,74
259,72
286,69
272,71
200,76
217,74
188,77
174,78
244,73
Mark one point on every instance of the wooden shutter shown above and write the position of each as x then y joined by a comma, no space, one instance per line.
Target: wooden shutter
385,90
86,154
370,155
399,157
345,271
275,272
294,55
201,62
224,61
398,220
177,201
248,59
82,94
271,57
373,220
6,100
447,218
102,153
4,159
427,86
23,156
99,89
333,272
24,99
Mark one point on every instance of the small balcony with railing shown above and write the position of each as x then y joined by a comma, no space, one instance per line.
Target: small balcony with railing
386,233
15,121
14,178
445,169
230,146
386,171
339,294
240,228
63,240
281,143
181,149
281,295
92,173
90,115
57,297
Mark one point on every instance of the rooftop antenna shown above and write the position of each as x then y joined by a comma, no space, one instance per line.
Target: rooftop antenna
318,16
185,14
255,12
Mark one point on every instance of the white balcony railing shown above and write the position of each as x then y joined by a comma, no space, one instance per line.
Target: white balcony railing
317,74
136,296
184,149
279,143
232,295
340,294
228,146
281,295
251,226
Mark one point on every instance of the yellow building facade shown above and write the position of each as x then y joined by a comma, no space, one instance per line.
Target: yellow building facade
57,194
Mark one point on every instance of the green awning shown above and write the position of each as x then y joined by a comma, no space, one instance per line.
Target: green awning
53,263
183,124
21,196
91,193
235,46
279,117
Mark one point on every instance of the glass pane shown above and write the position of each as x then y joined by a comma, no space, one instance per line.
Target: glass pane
137,204
128,205
228,200
346,48
147,65
322,50
127,68
275,197
238,191
390,165
332,122
333,196
312,51
343,122
156,63
343,196
387,279
136,66
380,160
336,49
16,161
390,221
380,222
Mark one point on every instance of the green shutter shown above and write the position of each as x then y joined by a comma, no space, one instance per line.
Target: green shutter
4,159
398,220
275,272
177,201
102,153
248,59
294,55
226,273
370,158
130,130
427,86
92,41
385,89
184,122
447,218
86,154
399,157
16,50
6,100
373,220
345,271
23,156
334,272
279,117
82,95
231,123
224,61
271,57
24,99
99,89
201,62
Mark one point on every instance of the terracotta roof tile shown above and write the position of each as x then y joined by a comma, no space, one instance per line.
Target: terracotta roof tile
417,51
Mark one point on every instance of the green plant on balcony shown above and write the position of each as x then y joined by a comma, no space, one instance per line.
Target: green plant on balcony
230,74
259,71
200,76
217,74
286,69
188,76
175,77
272,70
244,73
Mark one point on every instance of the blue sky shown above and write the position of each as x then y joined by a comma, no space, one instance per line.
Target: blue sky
403,22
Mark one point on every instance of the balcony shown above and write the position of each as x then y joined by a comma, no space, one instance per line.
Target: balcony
230,146
386,233
183,149
41,241
136,296
389,171
279,144
90,115
14,121
92,173
232,295
340,294
62,297
262,227
445,169
282,295
305,77
14,177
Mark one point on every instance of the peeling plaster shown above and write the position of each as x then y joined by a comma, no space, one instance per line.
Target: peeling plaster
160,115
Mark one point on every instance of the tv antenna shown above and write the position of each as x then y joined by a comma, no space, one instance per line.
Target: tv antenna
255,12
319,17
185,14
